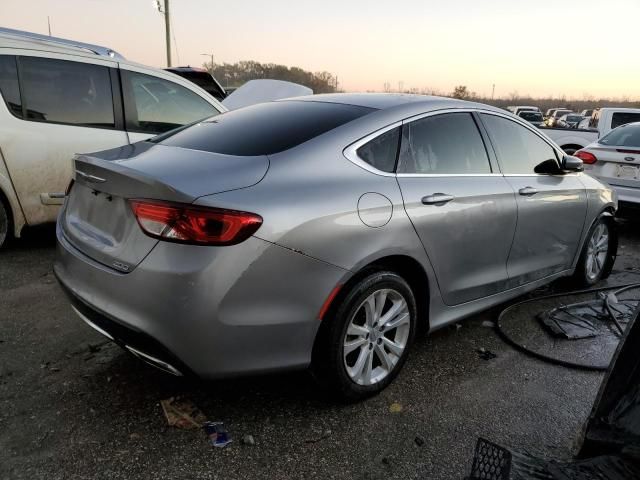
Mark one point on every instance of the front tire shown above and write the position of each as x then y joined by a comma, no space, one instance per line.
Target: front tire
598,253
367,339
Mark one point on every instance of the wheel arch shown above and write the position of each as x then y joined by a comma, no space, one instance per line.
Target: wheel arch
405,266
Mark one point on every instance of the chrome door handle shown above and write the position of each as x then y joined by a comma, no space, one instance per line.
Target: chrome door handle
437,199
528,191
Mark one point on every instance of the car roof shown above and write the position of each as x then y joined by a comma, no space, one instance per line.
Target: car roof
386,101
188,69
10,38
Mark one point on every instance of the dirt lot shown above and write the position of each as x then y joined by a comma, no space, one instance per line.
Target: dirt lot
73,406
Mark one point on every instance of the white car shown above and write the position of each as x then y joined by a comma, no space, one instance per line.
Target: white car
522,108
59,97
589,130
615,159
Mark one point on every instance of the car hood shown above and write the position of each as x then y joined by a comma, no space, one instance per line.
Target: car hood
260,91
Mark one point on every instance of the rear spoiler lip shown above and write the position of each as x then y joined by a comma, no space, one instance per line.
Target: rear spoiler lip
94,173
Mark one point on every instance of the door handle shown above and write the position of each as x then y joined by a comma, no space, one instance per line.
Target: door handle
437,199
528,191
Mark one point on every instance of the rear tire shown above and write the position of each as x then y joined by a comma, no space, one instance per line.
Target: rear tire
598,253
367,337
5,224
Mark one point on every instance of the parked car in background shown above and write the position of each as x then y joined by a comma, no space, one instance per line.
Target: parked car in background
322,231
570,120
521,108
615,159
202,78
602,121
532,116
60,97
551,111
552,120
586,113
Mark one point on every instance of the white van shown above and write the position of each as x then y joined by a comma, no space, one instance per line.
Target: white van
59,98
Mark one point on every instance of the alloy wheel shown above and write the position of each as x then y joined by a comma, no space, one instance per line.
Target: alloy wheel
597,251
376,337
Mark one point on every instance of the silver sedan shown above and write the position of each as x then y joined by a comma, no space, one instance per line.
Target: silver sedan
323,231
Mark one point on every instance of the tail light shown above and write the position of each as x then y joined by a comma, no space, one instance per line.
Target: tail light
586,157
175,222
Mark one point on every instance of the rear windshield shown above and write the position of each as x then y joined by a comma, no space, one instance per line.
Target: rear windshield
626,136
264,129
531,116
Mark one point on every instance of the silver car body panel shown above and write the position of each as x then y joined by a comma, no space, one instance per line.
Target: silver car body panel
254,306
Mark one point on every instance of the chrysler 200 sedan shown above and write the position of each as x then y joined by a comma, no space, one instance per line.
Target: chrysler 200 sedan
323,231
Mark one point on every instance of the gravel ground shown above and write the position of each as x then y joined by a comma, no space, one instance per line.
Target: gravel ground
73,406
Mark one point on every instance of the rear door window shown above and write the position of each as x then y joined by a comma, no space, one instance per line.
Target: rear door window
9,84
519,150
61,91
156,105
265,128
443,144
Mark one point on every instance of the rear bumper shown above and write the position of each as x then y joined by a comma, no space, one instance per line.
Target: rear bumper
627,195
134,341
208,311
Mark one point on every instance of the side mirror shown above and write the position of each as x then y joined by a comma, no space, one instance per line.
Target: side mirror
572,164
548,167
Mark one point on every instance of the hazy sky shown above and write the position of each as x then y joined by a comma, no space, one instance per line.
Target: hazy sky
540,47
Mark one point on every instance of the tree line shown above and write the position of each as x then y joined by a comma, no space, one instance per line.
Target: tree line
233,75
545,103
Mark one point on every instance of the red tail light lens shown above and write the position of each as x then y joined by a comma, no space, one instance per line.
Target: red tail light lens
180,223
586,157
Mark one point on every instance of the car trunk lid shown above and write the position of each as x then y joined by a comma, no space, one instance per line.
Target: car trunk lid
617,165
97,217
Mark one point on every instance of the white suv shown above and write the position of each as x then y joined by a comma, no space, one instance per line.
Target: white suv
59,98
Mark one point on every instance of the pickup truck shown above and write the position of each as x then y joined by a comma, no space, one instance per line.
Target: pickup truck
602,121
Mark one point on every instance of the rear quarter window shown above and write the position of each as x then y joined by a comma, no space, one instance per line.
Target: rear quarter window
266,128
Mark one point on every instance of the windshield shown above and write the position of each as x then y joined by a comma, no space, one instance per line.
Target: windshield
574,118
264,129
625,136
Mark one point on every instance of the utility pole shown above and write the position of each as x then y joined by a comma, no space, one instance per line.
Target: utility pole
167,26
209,55
493,91
49,24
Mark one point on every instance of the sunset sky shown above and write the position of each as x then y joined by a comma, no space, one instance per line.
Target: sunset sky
540,47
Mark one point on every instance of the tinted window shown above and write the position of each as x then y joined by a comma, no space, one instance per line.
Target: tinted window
9,84
60,91
622,118
156,105
626,136
447,144
381,152
519,150
532,116
266,128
